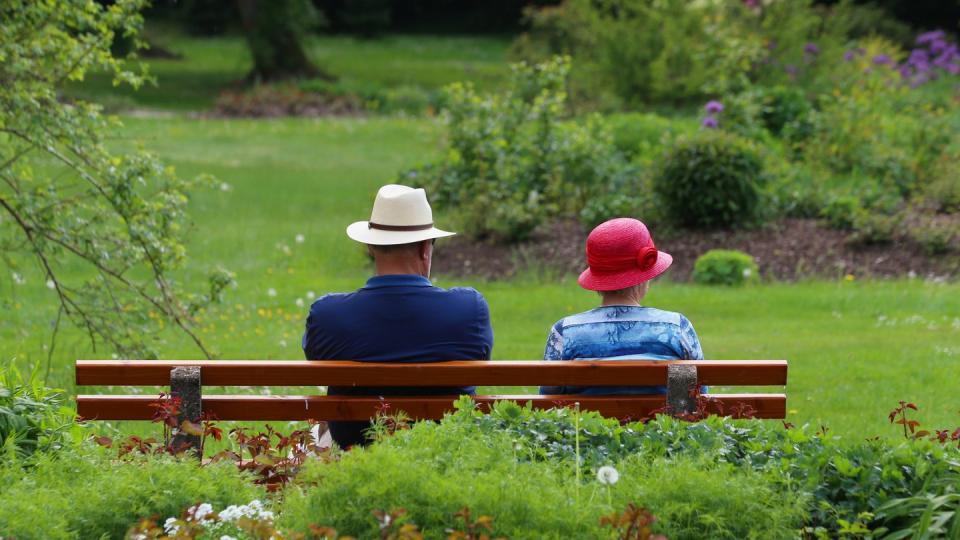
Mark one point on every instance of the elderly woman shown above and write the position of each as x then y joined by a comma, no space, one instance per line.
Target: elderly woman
622,260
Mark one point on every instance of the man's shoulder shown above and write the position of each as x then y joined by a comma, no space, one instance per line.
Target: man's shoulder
330,301
462,292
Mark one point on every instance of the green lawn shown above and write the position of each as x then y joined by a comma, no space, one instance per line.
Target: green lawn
854,348
210,65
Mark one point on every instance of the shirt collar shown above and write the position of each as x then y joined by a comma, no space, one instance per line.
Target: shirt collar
397,280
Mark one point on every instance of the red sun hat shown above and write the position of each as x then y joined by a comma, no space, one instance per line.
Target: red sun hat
621,254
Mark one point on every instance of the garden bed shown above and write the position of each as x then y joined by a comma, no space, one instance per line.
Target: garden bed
785,250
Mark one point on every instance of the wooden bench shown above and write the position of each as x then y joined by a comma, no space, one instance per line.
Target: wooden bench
187,377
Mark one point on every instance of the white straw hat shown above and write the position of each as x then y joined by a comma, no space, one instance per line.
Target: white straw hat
401,215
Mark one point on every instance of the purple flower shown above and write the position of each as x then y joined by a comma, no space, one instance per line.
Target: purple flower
710,122
751,3
849,56
882,59
791,69
918,56
930,37
713,107
811,48
938,46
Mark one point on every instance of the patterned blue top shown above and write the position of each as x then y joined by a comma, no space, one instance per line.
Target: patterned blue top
621,333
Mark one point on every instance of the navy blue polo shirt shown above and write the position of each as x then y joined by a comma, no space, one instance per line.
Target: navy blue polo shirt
397,318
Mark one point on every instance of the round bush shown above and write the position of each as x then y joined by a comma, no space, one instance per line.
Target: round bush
725,267
710,180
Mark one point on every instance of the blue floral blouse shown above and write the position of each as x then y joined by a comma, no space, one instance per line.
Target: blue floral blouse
621,333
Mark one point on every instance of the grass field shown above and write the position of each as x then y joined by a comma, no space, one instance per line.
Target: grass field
855,348
209,65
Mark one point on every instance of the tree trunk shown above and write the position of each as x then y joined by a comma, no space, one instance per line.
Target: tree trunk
274,29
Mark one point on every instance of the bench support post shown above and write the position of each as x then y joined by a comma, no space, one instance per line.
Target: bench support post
681,380
185,384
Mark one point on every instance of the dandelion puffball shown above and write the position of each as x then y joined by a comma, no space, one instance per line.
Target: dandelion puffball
608,475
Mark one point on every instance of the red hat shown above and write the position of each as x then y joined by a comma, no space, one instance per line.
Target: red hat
621,254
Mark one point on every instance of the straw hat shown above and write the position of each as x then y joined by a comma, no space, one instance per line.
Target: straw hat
621,254
401,215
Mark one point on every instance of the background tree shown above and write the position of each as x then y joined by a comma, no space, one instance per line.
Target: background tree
106,229
275,30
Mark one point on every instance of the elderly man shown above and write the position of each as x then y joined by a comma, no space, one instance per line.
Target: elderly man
398,316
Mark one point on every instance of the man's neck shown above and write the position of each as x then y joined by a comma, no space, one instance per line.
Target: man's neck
388,269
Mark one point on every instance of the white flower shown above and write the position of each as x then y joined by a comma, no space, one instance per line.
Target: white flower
311,295
201,511
271,292
51,284
18,279
170,526
228,537
299,238
299,302
747,272
231,513
225,187
283,343
608,475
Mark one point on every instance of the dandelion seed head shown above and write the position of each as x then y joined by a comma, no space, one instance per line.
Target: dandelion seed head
607,475
271,292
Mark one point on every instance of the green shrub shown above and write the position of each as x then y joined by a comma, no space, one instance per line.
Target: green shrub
936,237
943,190
512,162
32,417
781,110
872,229
89,493
842,212
643,134
711,180
609,206
433,471
725,267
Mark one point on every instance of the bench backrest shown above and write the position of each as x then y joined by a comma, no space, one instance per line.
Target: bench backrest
679,376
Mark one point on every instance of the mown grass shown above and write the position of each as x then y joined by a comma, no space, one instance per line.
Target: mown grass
855,348
210,65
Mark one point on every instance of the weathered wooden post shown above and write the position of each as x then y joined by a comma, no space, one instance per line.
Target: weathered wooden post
185,384
681,380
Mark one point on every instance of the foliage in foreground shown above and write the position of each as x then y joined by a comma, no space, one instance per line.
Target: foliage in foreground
87,492
434,470
561,473
68,202
32,417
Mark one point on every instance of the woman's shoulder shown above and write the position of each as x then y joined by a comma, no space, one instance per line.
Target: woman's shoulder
616,314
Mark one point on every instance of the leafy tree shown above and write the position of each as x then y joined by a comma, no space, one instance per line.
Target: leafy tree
105,228
275,30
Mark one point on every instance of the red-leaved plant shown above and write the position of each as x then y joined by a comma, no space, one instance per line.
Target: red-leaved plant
634,523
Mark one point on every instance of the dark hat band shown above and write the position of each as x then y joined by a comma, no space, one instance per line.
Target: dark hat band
378,226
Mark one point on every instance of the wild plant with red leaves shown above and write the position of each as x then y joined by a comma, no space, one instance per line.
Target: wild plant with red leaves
273,457
472,529
166,411
634,523
910,426
394,526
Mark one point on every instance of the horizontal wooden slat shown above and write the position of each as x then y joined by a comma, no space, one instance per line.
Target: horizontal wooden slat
272,408
453,373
